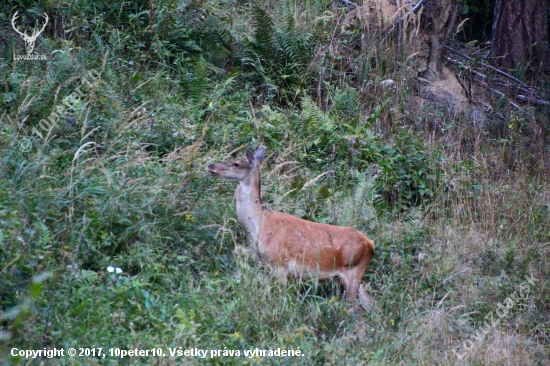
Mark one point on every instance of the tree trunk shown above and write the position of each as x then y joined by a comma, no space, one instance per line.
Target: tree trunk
520,34
439,21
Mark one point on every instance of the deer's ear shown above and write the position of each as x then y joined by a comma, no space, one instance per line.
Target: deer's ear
249,157
259,155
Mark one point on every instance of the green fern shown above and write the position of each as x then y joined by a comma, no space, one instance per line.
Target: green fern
295,43
44,235
214,39
198,84
358,208
345,102
263,34
317,123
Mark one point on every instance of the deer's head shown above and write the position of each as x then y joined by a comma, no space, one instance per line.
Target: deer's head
238,170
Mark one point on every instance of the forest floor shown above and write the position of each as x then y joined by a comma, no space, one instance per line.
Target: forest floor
113,237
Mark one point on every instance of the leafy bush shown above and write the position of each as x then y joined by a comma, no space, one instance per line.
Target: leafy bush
121,183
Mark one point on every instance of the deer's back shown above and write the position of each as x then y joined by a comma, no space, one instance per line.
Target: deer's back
286,239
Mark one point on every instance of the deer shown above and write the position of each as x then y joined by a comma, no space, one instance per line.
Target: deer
291,245
29,40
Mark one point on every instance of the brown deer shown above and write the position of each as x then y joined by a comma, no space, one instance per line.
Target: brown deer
293,245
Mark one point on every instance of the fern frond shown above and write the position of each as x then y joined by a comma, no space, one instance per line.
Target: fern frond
263,34
295,43
198,83
345,102
44,235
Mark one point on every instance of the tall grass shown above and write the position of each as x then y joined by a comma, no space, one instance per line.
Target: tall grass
459,215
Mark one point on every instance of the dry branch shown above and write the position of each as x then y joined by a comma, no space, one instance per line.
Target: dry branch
531,92
523,98
349,3
416,7
487,66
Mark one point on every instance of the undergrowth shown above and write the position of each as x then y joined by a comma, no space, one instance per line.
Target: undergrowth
459,218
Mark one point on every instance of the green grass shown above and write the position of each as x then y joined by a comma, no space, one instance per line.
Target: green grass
459,218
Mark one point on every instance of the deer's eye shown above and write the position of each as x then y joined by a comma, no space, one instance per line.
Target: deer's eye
235,164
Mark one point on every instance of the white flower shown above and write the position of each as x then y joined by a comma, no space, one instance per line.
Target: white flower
110,269
118,270
388,83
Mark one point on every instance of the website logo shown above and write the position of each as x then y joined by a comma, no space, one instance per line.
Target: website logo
30,40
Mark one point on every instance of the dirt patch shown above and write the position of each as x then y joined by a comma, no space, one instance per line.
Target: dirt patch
446,90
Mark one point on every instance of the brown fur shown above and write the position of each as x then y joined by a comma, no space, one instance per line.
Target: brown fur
295,246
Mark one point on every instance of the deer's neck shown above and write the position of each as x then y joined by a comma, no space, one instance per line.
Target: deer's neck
249,205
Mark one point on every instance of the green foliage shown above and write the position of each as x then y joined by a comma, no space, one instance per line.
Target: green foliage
277,57
263,33
409,173
120,182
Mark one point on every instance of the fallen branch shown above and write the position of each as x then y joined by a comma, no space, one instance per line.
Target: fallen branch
10,263
523,88
499,93
525,99
479,79
487,66
475,72
349,3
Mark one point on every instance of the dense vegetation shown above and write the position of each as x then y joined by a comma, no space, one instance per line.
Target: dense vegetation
459,213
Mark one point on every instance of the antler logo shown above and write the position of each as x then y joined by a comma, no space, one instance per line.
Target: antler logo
29,39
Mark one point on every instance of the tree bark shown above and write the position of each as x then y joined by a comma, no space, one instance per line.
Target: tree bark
439,21
520,34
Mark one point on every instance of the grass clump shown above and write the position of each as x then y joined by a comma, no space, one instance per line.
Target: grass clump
458,217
